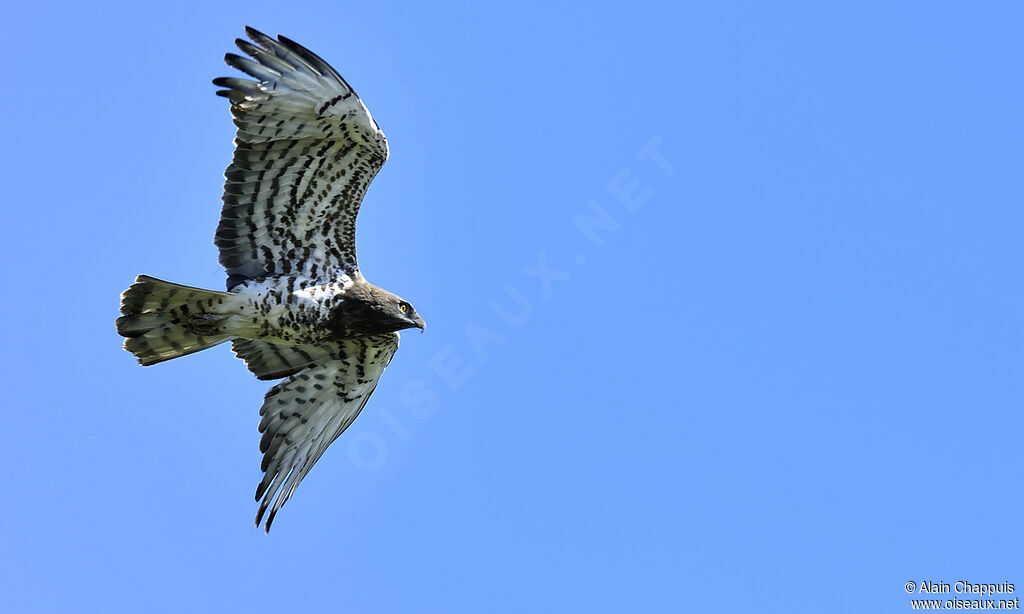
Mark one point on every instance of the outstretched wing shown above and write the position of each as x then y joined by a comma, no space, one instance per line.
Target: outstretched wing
305,152
275,360
305,413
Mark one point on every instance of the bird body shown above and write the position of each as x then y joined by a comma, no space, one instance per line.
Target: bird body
296,305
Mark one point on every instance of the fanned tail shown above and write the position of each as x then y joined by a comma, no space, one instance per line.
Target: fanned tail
162,320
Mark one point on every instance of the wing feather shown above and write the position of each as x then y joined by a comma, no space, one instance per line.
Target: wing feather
274,360
306,149
305,413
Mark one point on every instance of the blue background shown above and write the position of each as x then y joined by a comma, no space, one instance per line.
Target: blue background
789,380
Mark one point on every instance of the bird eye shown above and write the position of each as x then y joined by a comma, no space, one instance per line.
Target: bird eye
404,307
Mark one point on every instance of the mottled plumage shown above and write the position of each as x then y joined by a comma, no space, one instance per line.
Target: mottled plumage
296,305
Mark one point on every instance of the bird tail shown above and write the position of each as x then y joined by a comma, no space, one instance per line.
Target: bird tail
162,320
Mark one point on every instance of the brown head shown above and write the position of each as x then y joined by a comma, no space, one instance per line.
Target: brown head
369,310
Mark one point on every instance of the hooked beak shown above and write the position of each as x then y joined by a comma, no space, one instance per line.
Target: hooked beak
418,322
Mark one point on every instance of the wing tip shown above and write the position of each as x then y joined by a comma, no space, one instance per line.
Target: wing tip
246,46
255,34
233,59
265,497
270,518
259,515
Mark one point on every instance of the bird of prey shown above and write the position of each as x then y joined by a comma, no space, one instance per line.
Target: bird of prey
296,305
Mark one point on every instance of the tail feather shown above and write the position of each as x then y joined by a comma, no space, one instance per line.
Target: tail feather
162,320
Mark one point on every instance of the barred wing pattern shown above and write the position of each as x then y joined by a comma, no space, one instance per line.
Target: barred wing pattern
306,149
274,360
306,412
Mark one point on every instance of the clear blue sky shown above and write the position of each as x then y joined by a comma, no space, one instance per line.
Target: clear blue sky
776,367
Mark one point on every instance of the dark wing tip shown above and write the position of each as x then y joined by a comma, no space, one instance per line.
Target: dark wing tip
235,83
263,510
266,42
270,518
312,59
249,67
255,34
246,46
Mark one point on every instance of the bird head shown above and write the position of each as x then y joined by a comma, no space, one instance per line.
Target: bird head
369,310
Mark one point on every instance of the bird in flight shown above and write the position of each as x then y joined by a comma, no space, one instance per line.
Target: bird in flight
296,305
